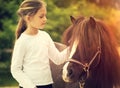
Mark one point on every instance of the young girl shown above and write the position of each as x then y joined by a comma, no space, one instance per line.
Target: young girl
33,48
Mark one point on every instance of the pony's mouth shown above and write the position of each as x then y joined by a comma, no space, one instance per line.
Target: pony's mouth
83,77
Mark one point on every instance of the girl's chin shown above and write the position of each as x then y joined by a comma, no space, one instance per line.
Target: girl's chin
42,27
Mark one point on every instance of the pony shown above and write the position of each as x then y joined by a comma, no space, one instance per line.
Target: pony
94,60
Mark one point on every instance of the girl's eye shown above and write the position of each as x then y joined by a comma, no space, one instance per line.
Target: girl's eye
41,16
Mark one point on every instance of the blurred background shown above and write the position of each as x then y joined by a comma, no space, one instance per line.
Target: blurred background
58,15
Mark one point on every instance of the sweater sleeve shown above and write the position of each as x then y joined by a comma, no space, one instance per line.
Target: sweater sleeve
17,66
55,55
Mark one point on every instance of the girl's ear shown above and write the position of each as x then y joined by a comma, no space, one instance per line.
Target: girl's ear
72,19
27,18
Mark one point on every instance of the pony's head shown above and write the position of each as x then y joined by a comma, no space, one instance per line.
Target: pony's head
94,59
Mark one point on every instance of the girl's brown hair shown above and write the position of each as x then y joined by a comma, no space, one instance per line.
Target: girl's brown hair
27,7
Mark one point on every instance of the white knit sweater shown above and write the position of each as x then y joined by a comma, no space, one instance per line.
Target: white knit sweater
30,60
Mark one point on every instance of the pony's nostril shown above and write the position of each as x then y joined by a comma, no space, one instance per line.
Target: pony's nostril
70,72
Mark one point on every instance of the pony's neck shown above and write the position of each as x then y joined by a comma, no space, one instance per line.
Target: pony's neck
93,83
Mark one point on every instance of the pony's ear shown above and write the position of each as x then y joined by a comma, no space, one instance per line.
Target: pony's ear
72,19
92,22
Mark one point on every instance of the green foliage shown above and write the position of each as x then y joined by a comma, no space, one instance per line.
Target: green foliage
88,9
7,36
6,79
55,20
58,15
7,22
8,11
58,20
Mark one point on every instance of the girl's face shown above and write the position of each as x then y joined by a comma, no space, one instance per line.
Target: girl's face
38,21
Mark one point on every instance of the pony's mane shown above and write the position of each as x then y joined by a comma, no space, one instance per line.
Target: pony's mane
88,31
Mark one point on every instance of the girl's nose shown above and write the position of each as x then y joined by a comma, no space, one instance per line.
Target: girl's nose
45,19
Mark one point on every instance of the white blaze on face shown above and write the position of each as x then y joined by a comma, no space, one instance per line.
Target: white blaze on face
65,72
